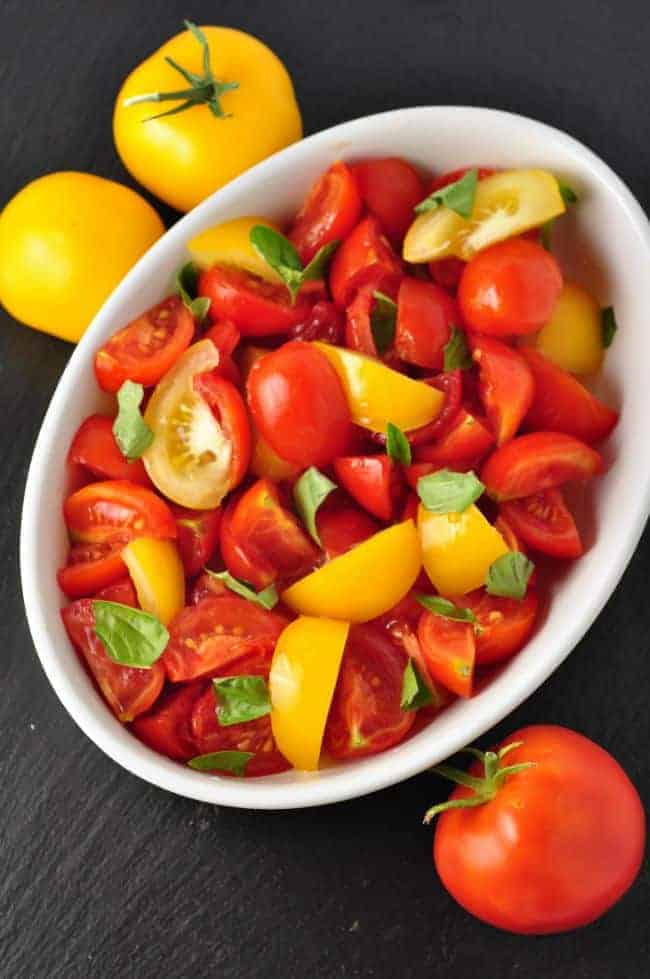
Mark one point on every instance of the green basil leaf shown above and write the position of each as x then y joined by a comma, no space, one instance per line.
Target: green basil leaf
241,698
609,325
186,282
383,319
458,197
199,307
442,606
309,492
508,575
415,692
222,761
130,636
449,492
456,352
567,193
267,598
278,252
318,266
398,447
132,434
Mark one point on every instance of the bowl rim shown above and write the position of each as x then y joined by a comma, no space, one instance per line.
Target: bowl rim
360,778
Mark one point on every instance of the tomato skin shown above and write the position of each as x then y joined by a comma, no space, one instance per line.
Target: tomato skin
116,511
365,716
197,536
562,404
447,272
373,481
390,188
364,257
509,288
451,384
506,385
463,447
323,322
228,407
449,651
94,447
167,727
122,591
329,213
342,525
225,336
558,845
536,462
544,523
91,567
299,405
145,348
256,307
505,624
358,330
425,317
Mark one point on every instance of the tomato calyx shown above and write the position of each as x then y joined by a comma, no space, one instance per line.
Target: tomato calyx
486,787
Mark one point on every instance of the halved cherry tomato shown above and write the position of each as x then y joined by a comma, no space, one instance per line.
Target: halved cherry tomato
145,349
365,716
257,308
299,405
116,511
510,288
261,541
506,385
91,567
197,536
425,317
503,624
544,523
563,404
536,462
342,525
323,322
225,336
95,448
373,481
449,651
330,211
463,447
390,188
227,406
207,638
365,257
128,691
167,727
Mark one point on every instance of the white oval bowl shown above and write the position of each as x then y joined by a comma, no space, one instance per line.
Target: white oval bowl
604,242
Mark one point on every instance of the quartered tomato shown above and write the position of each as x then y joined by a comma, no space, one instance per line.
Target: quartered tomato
365,257
209,637
167,727
197,536
373,481
261,540
365,716
562,404
121,591
544,523
257,308
94,447
536,462
462,447
358,327
425,317
449,651
128,691
115,511
145,349
342,525
506,385
202,438
502,626
91,567
330,211
390,188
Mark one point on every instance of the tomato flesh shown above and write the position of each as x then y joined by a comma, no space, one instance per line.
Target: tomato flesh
449,651
256,307
91,567
94,447
463,447
167,727
504,624
425,317
342,525
323,322
329,213
373,481
115,511
544,523
365,257
536,462
197,536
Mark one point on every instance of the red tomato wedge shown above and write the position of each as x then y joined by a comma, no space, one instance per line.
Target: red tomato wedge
116,511
95,448
228,407
330,211
532,463
425,317
358,329
506,386
544,523
504,624
451,385
167,728
373,481
146,348
563,404
197,536
225,336
256,307
463,447
90,568
322,322
390,188
365,257
342,525
449,652
122,591
365,716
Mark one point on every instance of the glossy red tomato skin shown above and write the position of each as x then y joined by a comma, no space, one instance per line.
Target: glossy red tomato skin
425,317
122,591
229,408
342,525
390,188
358,329
558,845
504,624
147,347
373,481
509,288
94,447
299,405
463,447
365,716
449,651
91,567
544,523
257,308
197,536
330,211
116,510
562,404
128,691
365,257
323,322
225,336
532,463
451,385
506,385
166,728
209,637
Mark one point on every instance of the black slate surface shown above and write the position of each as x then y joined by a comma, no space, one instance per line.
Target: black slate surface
104,876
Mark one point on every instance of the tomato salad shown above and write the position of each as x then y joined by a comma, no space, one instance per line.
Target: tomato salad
336,455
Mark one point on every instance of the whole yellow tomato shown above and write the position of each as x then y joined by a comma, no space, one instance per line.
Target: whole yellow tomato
238,108
66,240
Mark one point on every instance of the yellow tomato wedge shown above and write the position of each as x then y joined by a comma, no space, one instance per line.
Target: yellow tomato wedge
573,337
506,204
229,244
157,574
458,549
363,583
377,394
303,676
